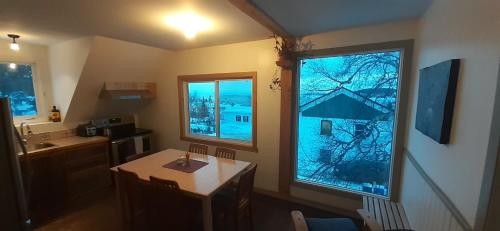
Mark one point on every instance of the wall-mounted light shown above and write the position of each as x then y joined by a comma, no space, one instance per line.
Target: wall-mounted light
189,23
14,46
12,66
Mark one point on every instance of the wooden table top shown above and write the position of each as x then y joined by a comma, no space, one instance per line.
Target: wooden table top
204,182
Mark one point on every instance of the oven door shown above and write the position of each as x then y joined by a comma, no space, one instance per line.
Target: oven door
128,149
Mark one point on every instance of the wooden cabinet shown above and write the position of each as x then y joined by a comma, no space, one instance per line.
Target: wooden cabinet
86,170
64,177
47,188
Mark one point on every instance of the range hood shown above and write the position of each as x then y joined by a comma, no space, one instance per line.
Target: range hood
128,90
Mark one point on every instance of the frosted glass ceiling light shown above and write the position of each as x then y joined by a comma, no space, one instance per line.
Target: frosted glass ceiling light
14,46
189,23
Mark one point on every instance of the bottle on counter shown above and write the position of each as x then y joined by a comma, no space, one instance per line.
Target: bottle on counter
55,114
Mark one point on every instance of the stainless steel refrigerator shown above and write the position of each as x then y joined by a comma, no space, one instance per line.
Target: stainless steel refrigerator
13,197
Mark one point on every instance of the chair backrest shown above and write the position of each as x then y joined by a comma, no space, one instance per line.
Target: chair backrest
133,189
298,221
225,153
165,207
245,187
198,148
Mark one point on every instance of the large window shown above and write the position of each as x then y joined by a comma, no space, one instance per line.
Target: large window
219,109
346,116
16,83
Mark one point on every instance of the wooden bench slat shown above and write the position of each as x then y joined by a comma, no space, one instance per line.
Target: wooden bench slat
371,208
383,213
378,216
390,214
402,214
365,203
397,217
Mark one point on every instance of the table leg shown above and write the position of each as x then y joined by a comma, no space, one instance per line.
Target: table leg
122,204
207,214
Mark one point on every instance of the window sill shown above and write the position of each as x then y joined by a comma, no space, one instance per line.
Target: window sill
355,195
221,143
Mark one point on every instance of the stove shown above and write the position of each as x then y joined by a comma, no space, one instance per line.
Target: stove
127,142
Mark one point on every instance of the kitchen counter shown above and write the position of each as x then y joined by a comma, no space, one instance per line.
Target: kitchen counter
66,143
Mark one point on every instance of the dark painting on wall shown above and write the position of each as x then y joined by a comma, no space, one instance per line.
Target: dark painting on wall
436,99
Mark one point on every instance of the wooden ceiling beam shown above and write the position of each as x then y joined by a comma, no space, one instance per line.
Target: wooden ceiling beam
251,9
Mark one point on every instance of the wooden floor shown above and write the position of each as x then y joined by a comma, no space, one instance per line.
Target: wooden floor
102,214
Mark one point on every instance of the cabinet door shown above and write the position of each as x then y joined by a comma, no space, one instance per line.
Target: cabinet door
87,170
47,188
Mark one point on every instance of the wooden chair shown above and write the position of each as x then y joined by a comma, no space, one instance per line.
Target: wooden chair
167,208
198,148
225,153
321,224
132,187
369,221
237,203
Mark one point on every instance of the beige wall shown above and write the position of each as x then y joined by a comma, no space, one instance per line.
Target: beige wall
78,71
113,60
39,56
468,30
67,60
163,113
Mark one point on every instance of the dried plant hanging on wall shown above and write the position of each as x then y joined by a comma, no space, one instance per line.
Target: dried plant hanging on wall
275,82
285,48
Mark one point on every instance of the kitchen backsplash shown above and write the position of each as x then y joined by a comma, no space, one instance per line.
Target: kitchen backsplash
45,136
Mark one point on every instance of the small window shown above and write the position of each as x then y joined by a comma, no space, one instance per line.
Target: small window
16,83
208,99
325,156
326,127
359,130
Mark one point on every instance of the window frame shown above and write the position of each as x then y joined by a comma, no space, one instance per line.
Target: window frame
406,49
185,135
38,92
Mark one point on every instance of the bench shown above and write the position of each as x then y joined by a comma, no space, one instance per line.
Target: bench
381,214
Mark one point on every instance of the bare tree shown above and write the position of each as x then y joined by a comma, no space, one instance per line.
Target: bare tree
363,155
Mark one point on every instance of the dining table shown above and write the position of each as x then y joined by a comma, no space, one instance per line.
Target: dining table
203,183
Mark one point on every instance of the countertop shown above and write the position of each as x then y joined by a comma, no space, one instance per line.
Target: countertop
67,143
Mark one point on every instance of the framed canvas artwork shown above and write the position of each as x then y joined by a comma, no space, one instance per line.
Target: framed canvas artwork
436,99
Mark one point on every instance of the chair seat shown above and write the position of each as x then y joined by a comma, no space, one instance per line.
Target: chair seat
330,224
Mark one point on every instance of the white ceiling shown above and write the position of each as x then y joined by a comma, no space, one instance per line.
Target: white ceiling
306,17
140,21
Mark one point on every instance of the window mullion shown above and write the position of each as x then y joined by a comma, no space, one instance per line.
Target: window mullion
187,118
217,110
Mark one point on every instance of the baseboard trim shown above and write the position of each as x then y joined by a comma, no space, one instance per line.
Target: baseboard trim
286,197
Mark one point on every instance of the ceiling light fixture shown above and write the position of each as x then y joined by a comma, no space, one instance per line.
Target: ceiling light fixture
14,46
12,66
189,23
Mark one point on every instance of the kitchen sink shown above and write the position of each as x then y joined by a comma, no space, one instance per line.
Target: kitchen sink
38,146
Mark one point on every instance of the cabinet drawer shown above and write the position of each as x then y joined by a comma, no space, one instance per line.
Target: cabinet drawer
87,162
85,152
87,157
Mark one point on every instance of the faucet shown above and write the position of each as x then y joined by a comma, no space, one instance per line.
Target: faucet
27,136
